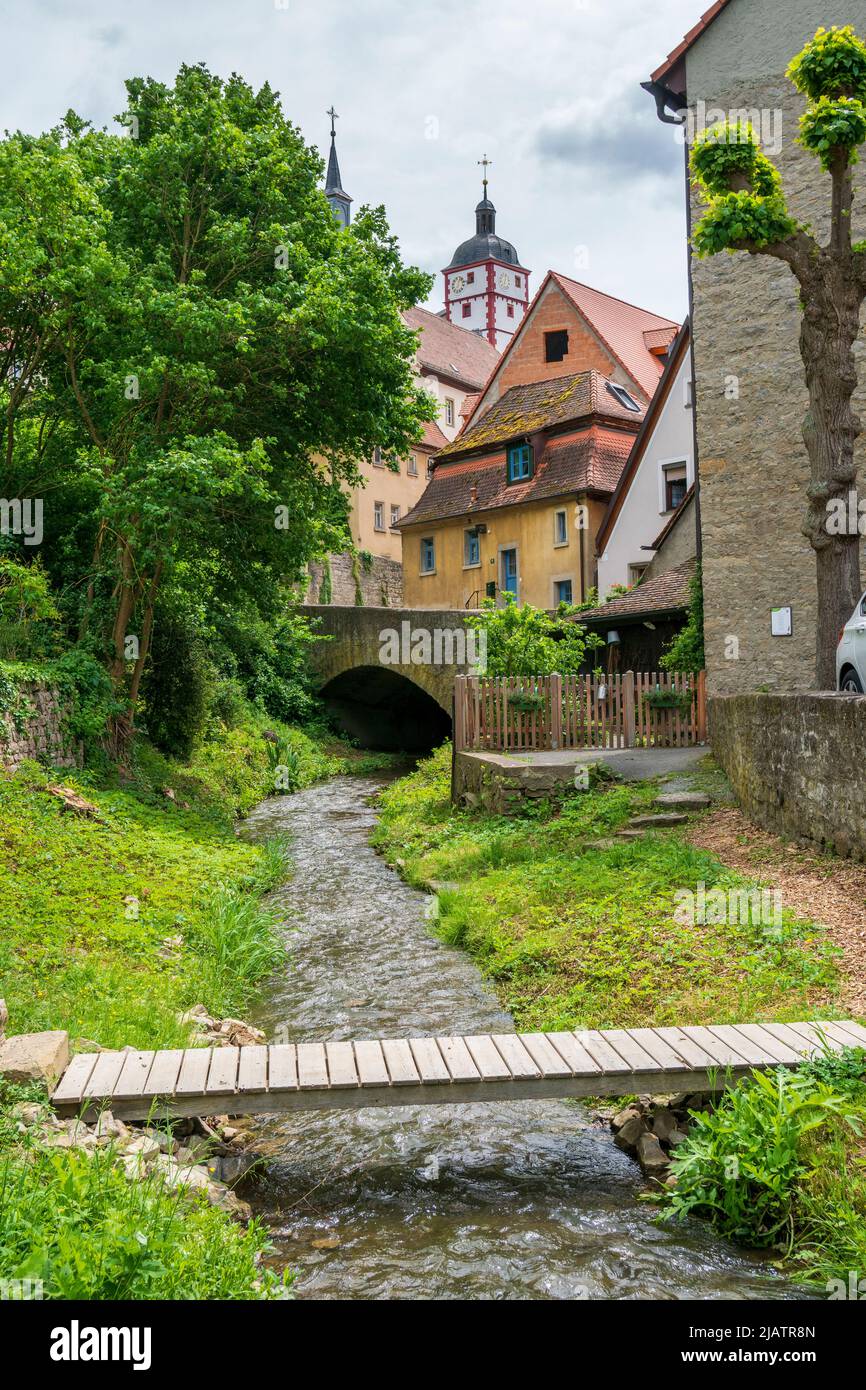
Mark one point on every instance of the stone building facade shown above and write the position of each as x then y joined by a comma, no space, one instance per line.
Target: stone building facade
750,388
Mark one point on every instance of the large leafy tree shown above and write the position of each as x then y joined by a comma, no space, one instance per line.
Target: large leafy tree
224,351
747,212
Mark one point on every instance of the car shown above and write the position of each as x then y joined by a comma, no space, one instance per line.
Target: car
851,653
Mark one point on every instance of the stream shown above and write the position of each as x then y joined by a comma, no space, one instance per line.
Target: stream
516,1200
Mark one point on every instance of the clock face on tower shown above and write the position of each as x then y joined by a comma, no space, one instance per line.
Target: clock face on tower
458,284
504,280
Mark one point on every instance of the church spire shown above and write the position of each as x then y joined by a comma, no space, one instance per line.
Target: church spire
334,192
485,212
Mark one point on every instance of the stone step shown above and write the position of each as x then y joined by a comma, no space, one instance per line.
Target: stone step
630,834
657,822
684,801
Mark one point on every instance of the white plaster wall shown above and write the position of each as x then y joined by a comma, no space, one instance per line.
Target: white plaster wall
641,516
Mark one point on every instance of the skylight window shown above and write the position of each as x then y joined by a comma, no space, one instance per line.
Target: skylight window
620,394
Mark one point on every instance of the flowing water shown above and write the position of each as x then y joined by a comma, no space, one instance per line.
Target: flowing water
524,1199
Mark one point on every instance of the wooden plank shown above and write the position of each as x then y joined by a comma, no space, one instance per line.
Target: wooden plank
163,1075
458,1059
400,1062
371,1064
601,1051
103,1078
725,1052
515,1055
487,1059
838,1033
798,1044
752,1052
312,1066
631,1051
812,1038
429,1061
253,1069
282,1067
133,1075
772,1046
549,1061
687,1047
342,1071
70,1088
658,1048
856,1030
574,1056
192,1078
223,1075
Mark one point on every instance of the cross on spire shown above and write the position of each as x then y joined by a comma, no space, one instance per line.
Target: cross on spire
486,164
334,117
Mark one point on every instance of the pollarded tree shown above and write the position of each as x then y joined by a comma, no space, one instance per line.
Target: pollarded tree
747,212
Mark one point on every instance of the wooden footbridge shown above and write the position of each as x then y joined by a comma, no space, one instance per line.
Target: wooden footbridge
443,1070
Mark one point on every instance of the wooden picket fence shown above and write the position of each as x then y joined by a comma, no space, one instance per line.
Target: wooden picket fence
610,711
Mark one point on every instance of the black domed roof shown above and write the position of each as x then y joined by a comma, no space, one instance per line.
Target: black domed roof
484,246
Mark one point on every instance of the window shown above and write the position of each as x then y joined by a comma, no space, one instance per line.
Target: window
412,466
518,282
430,467
449,411
377,457
395,514
688,393
675,485
556,345
511,311
519,463
636,573
560,527
470,277
378,516
471,549
562,591
620,394
467,309
428,556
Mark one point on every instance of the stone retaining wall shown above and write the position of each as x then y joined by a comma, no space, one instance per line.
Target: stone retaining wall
35,729
795,762
378,584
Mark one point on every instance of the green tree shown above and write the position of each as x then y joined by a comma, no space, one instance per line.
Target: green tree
526,641
686,651
747,212
226,351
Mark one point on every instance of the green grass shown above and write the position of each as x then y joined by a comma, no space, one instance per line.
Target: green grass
77,1224
578,936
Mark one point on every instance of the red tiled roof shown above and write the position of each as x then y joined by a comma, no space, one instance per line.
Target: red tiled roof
538,405
451,351
621,327
664,70
668,593
656,338
590,460
433,437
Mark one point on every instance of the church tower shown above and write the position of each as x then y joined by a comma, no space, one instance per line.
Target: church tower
340,201
486,287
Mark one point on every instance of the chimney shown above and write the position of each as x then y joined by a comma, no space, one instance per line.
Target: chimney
473,495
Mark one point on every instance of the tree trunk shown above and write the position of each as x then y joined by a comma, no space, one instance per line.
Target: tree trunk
831,321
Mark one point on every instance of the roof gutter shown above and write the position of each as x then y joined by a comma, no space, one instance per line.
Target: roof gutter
664,97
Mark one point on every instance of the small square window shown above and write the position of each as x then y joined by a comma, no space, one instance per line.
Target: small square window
412,466
428,556
395,514
470,277
620,394
449,411
430,467
377,457
561,527
675,485
556,345
471,548
511,311
518,282
563,591
467,309
378,516
519,463
636,573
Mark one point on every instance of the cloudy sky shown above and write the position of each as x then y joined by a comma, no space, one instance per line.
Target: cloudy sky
584,177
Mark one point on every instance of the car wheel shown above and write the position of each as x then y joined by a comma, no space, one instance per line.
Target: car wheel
850,683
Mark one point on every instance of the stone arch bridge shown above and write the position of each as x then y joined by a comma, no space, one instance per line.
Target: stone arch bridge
387,674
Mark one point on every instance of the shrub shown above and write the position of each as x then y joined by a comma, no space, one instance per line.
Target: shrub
176,684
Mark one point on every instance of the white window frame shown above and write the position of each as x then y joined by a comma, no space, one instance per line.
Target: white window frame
450,415
378,516
467,564
395,514
679,461
412,466
557,543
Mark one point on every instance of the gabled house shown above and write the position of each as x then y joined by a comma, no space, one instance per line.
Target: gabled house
515,502
659,474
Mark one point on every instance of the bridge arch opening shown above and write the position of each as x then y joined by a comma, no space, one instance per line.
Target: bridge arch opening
385,710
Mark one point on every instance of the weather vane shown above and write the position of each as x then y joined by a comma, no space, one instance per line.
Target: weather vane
334,117
486,163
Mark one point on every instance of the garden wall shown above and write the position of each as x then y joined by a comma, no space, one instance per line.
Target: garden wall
33,727
376,583
796,764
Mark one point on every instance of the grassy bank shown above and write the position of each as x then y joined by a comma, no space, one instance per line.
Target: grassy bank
577,933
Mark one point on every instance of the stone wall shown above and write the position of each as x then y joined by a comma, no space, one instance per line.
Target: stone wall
35,729
753,463
379,584
795,764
